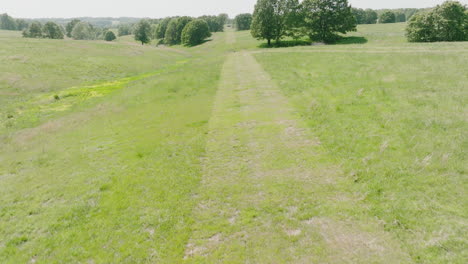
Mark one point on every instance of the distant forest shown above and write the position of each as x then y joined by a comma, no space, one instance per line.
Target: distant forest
110,22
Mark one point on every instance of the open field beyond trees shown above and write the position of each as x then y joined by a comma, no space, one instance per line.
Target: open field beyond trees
233,152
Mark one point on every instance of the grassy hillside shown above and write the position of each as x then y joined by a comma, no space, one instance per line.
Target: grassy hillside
229,152
393,115
111,177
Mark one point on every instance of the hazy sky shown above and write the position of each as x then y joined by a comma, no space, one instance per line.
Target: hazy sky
162,8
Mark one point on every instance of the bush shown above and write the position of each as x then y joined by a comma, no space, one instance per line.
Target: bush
109,36
447,22
195,32
387,17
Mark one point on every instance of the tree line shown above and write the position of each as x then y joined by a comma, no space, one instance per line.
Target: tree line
9,23
362,16
171,31
184,30
75,29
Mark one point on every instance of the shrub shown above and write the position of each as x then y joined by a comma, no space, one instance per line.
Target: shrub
195,32
109,36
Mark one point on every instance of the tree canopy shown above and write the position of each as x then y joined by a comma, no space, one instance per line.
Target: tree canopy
273,18
70,25
143,32
367,16
170,37
215,23
446,22
325,18
33,31
83,31
400,17
162,27
124,30
243,21
195,32
52,30
387,17
7,22
181,23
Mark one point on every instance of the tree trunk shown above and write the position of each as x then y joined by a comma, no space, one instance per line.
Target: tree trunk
269,42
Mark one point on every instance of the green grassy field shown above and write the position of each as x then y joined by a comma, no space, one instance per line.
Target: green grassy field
228,152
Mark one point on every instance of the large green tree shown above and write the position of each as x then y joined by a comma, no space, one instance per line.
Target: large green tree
70,25
181,23
195,32
143,32
243,21
324,19
273,18
451,21
52,30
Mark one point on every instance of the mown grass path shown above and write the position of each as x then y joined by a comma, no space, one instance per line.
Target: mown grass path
264,198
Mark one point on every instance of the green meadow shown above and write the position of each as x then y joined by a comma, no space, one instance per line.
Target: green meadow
230,152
